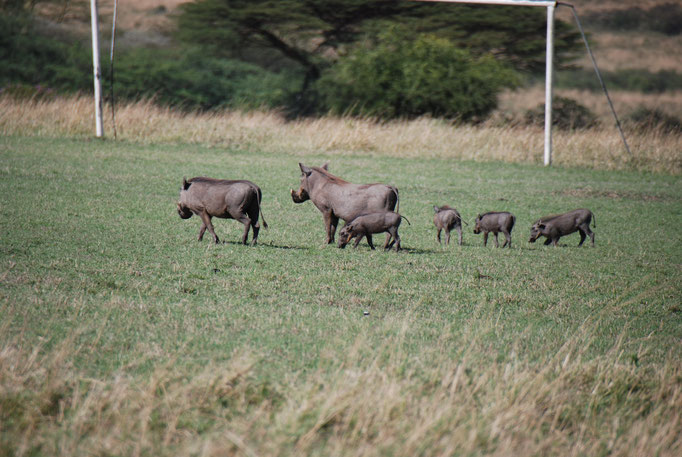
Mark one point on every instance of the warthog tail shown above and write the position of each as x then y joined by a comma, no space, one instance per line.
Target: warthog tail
594,220
260,208
397,199
408,222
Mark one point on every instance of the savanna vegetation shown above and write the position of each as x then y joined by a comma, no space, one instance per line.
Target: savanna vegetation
403,60
120,334
306,57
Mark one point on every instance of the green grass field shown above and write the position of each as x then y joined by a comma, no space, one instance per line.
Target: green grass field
120,334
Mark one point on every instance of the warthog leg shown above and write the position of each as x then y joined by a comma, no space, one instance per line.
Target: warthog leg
507,239
330,223
247,223
582,236
393,233
585,231
206,219
387,246
202,230
396,240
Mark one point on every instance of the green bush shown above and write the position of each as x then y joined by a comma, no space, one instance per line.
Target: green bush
567,114
182,77
29,58
399,77
186,78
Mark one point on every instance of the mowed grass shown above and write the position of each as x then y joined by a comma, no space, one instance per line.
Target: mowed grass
120,334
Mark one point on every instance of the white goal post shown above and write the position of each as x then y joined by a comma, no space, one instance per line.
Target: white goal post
550,5
97,71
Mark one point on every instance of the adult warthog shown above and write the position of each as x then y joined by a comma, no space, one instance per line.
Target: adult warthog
339,199
227,199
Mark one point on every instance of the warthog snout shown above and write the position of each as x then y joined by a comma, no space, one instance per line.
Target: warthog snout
300,196
184,212
344,237
534,233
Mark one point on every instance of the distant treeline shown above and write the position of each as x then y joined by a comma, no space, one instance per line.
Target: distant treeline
182,77
665,18
376,58
633,80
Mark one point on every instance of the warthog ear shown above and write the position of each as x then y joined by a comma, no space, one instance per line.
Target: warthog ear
541,226
436,209
325,166
306,170
185,184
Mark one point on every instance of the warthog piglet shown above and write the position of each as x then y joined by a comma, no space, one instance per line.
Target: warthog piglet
554,227
496,222
367,224
447,218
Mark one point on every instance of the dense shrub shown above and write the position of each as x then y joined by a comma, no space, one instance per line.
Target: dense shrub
187,78
183,77
567,114
399,77
644,119
30,58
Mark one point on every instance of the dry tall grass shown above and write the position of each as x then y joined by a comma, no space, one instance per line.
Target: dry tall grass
145,122
373,403
515,103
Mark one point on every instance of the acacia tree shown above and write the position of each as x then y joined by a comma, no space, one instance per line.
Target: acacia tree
312,34
306,32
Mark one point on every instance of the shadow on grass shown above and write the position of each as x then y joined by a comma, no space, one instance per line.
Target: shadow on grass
420,251
269,244
560,245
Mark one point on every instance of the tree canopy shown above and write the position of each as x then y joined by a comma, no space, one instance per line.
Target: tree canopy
316,36
410,78
312,33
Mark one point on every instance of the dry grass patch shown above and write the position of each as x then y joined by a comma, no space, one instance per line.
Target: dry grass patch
516,103
374,402
145,122
621,50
